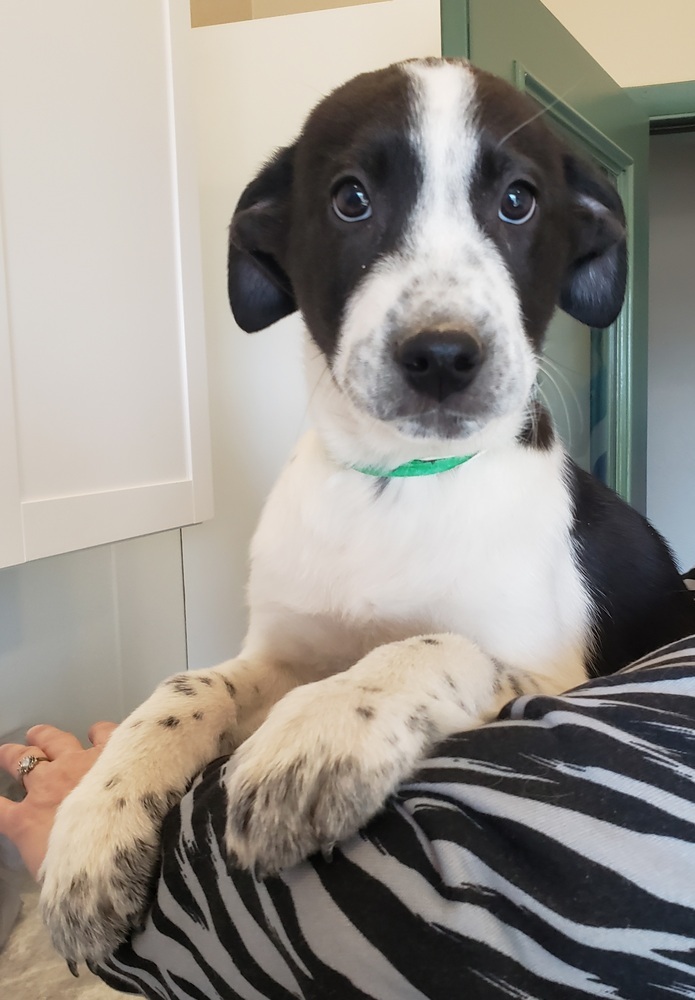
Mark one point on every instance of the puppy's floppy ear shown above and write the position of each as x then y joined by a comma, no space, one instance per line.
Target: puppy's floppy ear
260,292
594,284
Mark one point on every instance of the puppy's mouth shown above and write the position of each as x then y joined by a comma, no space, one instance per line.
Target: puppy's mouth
438,423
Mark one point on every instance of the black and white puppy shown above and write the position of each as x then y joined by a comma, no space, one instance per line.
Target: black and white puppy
430,551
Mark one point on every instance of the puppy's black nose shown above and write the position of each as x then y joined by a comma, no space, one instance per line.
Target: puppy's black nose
440,362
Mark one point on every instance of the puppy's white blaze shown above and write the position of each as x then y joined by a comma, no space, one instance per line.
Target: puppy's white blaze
446,272
445,136
445,227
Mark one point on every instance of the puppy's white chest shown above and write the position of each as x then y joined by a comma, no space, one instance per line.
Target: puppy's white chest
483,550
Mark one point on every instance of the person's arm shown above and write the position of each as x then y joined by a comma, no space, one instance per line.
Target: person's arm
548,855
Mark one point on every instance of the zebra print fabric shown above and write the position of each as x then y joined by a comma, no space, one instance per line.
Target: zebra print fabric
550,855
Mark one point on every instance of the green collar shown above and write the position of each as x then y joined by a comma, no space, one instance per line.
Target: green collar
418,467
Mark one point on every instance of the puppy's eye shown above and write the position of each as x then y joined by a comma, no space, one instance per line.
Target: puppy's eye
518,204
350,201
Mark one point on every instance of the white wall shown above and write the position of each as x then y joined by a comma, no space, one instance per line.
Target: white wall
637,42
58,649
254,83
87,635
670,448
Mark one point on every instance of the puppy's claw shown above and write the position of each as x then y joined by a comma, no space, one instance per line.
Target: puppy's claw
72,965
327,852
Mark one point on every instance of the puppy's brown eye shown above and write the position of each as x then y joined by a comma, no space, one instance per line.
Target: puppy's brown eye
350,201
518,204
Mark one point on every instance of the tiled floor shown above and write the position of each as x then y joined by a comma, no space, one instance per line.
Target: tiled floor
31,970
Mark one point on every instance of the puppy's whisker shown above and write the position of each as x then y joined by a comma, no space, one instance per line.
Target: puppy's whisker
568,421
541,396
316,91
317,385
560,99
558,366
548,367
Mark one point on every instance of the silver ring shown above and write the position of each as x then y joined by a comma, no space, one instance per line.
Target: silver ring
27,764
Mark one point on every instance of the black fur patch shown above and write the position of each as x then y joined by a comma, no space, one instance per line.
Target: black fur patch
171,722
152,806
419,722
181,684
275,267
243,810
640,601
539,431
380,486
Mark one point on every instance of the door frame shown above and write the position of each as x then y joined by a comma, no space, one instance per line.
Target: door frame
670,106
614,343
626,471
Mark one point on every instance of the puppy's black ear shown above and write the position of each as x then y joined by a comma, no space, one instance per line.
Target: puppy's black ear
260,292
594,285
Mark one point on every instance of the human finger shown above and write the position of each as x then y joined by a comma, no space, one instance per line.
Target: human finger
52,741
12,753
99,732
8,817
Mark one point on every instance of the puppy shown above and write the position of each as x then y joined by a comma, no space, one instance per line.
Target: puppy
430,551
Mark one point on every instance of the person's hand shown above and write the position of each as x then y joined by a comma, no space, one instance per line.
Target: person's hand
28,823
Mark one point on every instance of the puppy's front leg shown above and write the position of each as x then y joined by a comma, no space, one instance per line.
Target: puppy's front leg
104,846
331,752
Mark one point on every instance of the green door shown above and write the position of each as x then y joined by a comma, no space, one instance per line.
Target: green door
594,381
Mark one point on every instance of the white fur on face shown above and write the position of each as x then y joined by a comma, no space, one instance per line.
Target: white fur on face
447,274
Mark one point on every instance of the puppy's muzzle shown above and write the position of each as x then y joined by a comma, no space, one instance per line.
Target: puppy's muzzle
438,363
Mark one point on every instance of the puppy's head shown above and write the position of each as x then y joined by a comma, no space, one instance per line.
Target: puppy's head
426,223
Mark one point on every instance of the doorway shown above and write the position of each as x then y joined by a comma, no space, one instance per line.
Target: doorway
671,385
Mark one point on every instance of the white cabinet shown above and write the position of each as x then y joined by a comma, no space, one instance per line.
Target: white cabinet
103,401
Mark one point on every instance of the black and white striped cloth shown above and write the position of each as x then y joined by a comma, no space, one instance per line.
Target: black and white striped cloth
549,855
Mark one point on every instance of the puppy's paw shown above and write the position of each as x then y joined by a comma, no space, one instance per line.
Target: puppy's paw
98,870
103,852
321,765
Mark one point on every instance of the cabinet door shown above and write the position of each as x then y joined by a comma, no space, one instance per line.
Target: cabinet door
595,381
103,401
